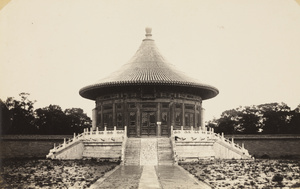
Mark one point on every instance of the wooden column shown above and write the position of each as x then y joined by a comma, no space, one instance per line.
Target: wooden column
183,114
114,114
101,115
158,120
138,120
94,119
125,113
195,116
202,118
172,116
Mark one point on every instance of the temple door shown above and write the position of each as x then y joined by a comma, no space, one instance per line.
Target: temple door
148,124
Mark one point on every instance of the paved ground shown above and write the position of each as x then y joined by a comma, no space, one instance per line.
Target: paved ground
150,177
172,177
124,177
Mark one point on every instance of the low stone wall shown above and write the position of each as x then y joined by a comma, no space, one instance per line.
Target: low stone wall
225,151
73,151
28,146
104,150
273,146
195,150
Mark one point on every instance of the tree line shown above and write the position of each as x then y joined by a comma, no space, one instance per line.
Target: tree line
50,120
270,118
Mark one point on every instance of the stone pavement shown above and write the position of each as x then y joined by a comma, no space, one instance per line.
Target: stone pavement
172,177
123,177
150,177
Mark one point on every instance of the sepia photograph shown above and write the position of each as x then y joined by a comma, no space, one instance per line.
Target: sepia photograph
162,94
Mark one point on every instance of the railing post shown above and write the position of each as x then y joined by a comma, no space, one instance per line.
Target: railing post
232,142
97,130
192,128
243,146
64,142
222,136
171,134
74,135
54,146
91,131
115,130
125,131
105,132
181,128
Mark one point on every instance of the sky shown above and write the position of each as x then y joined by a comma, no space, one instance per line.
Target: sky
248,49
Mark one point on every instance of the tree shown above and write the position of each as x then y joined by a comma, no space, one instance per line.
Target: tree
295,121
270,118
77,120
51,120
276,118
229,122
249,120
22,115
5,118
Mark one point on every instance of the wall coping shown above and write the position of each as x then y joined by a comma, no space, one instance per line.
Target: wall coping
264,137
34,137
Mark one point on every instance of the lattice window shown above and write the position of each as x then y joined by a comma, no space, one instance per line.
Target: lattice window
119,120
165,105
189,107
189,119
108,120
164,118
132,118
178,119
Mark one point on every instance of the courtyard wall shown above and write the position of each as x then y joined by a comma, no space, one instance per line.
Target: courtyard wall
38,146
28,146
273,146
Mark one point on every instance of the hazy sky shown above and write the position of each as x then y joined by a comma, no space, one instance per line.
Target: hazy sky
248,49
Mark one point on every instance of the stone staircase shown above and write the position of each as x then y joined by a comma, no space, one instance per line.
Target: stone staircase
148,151
132,151
190,145
164,151
148,155
92,144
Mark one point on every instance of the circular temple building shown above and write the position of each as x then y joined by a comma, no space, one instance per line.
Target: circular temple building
148,95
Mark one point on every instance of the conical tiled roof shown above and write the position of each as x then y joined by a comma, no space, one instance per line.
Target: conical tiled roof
146,67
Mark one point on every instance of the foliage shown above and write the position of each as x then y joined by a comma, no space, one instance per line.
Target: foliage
277,178
77,119
51,120
48,120
22,113
270,118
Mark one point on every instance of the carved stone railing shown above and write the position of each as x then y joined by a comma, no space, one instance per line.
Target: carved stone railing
205,135
173,143
89,135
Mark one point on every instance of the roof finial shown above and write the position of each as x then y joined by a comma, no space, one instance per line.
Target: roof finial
148,32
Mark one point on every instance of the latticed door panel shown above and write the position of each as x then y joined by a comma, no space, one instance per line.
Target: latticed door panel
131,130
164,124
148,123
108,121
119,121
144,128
152,124
178,121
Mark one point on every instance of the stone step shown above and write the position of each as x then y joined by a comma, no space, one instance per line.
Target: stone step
165,152
148,151
166,163
132,151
